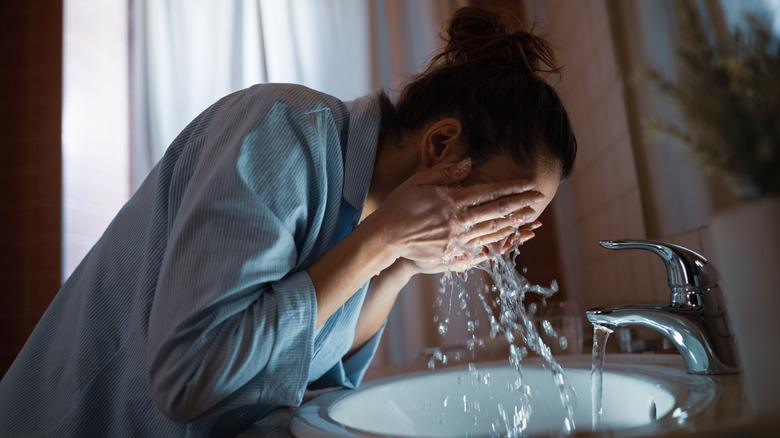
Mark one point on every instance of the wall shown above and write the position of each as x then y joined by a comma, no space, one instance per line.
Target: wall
64,173
602,199
606,198
30,188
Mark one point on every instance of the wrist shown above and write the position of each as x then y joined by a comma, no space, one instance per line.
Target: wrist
402,270
386,250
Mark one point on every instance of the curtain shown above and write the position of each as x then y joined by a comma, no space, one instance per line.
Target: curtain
186,54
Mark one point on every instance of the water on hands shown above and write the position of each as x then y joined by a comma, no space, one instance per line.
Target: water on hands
510,318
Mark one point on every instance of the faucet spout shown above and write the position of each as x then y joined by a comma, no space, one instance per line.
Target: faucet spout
703,347
694,320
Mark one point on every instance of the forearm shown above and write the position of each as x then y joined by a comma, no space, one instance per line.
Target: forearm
379,301
346,267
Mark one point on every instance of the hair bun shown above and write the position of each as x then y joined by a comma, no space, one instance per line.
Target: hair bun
468,23
480,36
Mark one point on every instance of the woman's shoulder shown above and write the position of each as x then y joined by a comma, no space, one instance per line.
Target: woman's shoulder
295,95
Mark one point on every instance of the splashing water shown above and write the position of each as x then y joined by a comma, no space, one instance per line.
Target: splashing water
508,317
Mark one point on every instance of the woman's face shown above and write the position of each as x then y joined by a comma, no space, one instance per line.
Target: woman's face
545,176
546,179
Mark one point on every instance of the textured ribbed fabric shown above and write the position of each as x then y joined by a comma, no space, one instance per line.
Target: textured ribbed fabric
193,315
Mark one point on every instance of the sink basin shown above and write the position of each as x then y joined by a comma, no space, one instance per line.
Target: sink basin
458,401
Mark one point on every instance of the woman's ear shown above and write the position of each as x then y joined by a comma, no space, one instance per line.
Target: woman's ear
443,142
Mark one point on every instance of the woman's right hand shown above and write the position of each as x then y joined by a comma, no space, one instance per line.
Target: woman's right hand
431,219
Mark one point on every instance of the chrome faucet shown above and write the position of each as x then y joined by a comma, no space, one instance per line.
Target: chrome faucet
695,319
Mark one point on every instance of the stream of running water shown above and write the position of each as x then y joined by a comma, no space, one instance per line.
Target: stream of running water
509,317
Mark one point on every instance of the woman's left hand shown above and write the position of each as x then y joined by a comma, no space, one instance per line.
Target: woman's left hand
476,254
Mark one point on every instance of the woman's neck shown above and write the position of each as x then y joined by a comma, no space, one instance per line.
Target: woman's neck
396,160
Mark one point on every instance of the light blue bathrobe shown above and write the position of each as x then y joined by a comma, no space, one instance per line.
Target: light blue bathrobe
193,314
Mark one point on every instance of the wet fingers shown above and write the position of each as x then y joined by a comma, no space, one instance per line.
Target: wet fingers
516,207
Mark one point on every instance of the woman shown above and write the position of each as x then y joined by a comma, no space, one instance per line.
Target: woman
263,253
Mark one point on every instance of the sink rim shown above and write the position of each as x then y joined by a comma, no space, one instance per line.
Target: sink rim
692,393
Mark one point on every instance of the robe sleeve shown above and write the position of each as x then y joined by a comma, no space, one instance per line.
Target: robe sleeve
349,372
234,312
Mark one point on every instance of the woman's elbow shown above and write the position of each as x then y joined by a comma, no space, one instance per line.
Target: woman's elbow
177,392
182,403
176,402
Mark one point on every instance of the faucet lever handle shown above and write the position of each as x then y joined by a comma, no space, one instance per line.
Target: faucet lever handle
687,271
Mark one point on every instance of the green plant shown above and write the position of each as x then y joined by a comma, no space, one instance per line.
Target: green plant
729,95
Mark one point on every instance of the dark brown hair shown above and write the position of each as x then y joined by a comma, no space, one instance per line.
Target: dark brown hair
490,77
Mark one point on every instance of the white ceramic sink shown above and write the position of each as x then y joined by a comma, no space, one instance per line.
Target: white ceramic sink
459,402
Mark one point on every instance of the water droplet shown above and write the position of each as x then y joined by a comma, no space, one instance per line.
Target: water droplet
548,328
568,425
